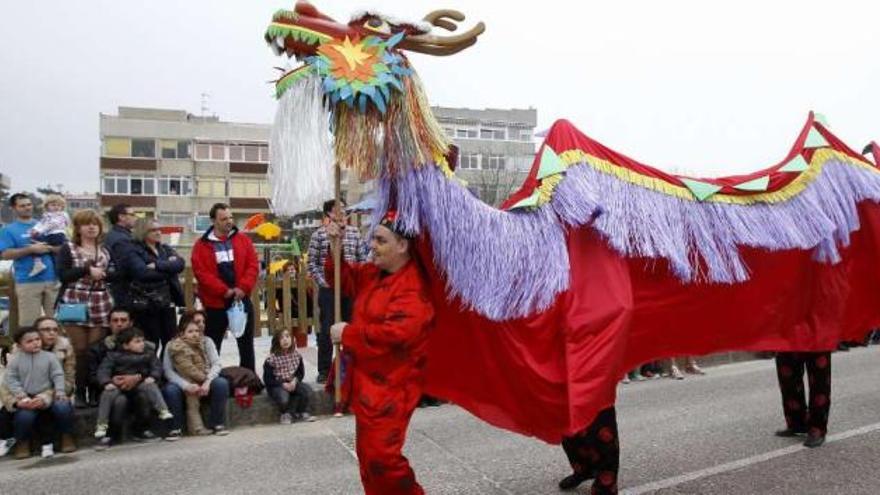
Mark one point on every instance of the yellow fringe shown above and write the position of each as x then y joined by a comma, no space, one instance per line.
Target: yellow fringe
792,189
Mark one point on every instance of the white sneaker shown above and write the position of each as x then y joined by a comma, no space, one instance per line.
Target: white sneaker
286,419
48,451
165,414
100,431
308,418
38,268
6,446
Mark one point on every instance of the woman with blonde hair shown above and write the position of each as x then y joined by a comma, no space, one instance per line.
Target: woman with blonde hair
155,289
84,303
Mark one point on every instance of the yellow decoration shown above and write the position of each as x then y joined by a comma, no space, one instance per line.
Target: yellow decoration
276,266
795,187
268,231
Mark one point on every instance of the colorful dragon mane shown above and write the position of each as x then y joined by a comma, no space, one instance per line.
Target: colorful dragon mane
598,263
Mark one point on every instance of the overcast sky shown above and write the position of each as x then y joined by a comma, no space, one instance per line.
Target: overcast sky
713,87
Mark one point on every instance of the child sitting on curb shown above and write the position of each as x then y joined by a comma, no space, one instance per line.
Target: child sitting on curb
191,363
35,381
129,359
283,374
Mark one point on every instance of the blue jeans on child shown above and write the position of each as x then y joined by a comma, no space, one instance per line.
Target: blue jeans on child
218,395
62,418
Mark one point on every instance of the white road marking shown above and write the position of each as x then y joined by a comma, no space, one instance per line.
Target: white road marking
463,463
742,463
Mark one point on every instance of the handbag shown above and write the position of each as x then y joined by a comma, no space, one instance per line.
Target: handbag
145,298
72,313
238,319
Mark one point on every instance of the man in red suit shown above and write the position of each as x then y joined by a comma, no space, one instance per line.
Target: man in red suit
386,342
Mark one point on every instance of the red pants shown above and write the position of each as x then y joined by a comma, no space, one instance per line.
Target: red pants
384,469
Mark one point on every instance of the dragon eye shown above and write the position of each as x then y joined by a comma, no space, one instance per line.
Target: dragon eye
378,25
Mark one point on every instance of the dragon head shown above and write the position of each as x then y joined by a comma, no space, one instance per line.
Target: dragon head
357,79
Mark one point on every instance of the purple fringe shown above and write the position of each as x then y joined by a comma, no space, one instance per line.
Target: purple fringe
645,223
508,265
503,265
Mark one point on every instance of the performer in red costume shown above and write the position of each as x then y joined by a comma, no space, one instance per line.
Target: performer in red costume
386,342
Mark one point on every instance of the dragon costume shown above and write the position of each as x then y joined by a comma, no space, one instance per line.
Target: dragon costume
599,263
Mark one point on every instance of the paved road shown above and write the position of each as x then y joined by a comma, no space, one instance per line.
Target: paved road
706,435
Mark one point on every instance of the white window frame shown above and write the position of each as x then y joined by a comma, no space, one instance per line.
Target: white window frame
186,183
469,161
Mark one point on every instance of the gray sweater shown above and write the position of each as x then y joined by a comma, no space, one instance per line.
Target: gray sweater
32,373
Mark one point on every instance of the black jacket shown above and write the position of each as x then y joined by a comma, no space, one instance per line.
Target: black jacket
269,374
122,362
118,242
99,350
166,271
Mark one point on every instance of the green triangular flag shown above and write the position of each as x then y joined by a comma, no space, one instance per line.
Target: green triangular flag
796,164
820,118
815,139
701,190
551,164
759,184
294,247
530,201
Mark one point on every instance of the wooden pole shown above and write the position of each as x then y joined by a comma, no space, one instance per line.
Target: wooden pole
337,292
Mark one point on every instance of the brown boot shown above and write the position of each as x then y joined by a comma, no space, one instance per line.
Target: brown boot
22,449
194,417
68,445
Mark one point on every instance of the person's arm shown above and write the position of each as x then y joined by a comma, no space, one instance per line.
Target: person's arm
170,266
105,370
206,273
300,371
155,367
214,363
137,267
8,251
12,379
56,372
251,268
269,379
406,315
351,275
314,265
171,374
67,273
69,366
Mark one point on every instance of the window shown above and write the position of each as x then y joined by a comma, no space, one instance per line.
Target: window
109,186
236,153
493,134
248,188
251,154
175,186
495,162
175,149
201,223
525,135
218,152
203,152
175,219
122,185
466,133
449,131
264,154
211,151
117,147
143,148
468,161
211,187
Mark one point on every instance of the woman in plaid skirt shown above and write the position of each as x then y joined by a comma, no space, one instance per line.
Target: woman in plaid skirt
82,268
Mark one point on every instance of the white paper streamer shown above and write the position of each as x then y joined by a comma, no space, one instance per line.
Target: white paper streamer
301,167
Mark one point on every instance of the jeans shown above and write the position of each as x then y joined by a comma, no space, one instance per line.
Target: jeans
325,346
293,403
218,396
23,419
148,391
216,324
